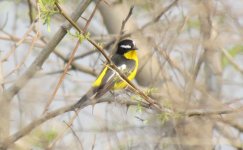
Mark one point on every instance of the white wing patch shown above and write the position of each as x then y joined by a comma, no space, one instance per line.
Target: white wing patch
122,67
126,46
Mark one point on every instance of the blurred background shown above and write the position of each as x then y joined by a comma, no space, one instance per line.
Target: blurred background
191,62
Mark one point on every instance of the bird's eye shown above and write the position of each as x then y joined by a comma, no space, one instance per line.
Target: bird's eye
126,46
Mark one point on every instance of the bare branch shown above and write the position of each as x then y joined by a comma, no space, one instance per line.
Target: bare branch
209,112
82,32
40,59
49,115
62,76
122,29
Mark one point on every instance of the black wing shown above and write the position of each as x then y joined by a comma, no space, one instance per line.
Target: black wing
110,78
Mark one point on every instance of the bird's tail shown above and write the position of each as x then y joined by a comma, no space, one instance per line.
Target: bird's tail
90,94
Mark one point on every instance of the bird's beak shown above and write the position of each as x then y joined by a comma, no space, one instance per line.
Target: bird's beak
135,48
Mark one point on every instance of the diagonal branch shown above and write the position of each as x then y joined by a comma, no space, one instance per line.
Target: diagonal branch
69,62
62,77
82,32
47,50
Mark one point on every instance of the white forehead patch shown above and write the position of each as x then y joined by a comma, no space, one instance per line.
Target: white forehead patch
126,46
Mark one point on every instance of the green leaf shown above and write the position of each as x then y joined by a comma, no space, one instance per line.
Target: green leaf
47,10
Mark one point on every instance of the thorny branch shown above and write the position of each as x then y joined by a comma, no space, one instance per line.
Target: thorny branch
82,32
62,77
189,113
70,60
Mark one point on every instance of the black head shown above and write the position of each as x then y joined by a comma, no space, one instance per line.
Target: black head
125,46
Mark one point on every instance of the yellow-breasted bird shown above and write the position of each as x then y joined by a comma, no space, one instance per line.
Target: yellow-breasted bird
126,61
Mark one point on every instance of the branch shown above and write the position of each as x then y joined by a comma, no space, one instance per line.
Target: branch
57,52
190,113
156,19
49,115
137,90
74,64
209,112
49,101
82,32
40,59
234,124
69,61
122,29
91,16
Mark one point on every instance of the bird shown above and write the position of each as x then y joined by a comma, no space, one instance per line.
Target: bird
126,60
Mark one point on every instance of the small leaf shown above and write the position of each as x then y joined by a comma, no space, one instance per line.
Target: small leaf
47,9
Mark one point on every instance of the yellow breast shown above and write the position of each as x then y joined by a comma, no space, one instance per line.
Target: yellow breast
129,55
121,84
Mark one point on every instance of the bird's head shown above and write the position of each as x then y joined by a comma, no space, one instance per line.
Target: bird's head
125,46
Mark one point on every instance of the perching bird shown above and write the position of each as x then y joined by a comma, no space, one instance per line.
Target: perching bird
126,61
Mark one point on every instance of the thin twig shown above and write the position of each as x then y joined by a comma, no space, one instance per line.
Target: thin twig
69,126
91,17
138,91
122,29
19,42
62,76
81,32
61,134
209,112
57,52
156,19
85,54
75,65
8,94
